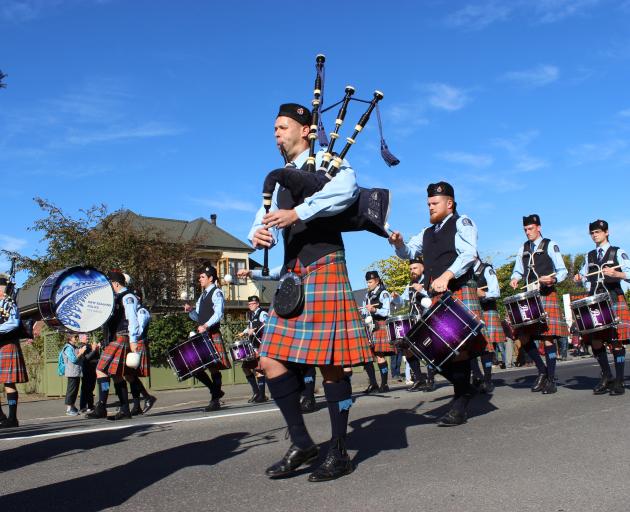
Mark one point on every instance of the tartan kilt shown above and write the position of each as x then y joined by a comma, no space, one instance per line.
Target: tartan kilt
329,330
12,366
381,346
224,362
555,325
477,345
114,356
492,330
144,370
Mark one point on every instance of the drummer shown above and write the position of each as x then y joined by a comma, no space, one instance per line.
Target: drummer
208,312
415,292
488,293
540,265
375,311
603,271
256,319
449,248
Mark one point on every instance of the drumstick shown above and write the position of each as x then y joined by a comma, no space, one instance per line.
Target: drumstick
601,270
483,287
538,280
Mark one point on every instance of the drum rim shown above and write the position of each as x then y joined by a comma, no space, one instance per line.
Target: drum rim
600,328
520,296
58,276
241,342
591,300
399,317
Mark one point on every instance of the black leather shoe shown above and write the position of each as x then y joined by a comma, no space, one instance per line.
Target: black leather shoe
261,398
292,460
550,387
487,387
541,380
307,405
253,398
99,412
453,418
214,405
9,423
603,386
371,389
617,389
502,365
477,382
383,389
135,410
429,386
120,415
416,386
148,403
336,464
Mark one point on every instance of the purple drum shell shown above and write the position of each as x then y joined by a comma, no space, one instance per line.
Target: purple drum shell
593,316
525,311
193,354
443,330
242,351
398,327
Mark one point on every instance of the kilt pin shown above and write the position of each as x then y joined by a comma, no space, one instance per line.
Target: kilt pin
329,331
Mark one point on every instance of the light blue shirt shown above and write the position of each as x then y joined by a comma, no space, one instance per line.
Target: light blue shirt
274,274
217,301
11,323
130,305
465,245
624,261
336,195
492,292
144,317
385,299
556,257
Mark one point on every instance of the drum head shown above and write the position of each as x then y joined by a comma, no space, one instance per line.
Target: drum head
81,299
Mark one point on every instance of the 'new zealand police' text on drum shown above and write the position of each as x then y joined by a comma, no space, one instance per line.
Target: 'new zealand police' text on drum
525,309
76,299
443,331
594,313
196,353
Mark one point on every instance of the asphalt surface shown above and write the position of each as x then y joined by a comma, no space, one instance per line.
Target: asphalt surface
519,451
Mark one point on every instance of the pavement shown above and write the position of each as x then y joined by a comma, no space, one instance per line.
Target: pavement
519,451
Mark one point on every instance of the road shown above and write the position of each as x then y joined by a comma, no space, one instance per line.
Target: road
520,451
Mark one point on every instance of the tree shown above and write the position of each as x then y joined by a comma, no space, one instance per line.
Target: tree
394,273
109,240
2,77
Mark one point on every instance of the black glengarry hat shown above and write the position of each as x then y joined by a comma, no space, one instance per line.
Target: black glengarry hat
531,219
441,188
371,274
297,112
598,224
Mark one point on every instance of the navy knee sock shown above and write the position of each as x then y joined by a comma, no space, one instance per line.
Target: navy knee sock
260,382
123,395
551,354
620,362
384,371
251,380
474,366
459,373
103,389
486,361
135,389
309,383
12,402
339,398
532,351
205,379
369,369
285,390
602,358
414,364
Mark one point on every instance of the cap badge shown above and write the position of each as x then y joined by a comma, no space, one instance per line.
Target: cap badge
300,111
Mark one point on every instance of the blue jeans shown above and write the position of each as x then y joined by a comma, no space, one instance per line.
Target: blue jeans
394,362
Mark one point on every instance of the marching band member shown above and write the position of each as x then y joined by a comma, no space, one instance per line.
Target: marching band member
488,293
121,329
327,331
540,265
376,305
603,270
256,319
208,312
12,365
449,249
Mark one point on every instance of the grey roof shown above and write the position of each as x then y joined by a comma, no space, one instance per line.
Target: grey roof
209,235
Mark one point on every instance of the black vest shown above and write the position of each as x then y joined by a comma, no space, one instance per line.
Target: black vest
374,298
543,264
415,307
254,319
118,322
612,284
206,310
14,334
480,279
307,241
438,250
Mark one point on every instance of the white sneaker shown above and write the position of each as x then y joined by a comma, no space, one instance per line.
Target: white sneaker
409,382
72,412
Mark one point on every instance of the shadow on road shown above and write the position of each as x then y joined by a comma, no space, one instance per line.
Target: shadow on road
113,487
581,382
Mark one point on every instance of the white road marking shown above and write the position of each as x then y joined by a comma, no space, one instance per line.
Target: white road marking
134,424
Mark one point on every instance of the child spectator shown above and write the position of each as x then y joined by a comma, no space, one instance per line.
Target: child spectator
72,356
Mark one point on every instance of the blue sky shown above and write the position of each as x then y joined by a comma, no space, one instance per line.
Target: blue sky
167,108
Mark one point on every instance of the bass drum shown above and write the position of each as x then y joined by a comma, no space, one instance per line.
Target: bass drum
76,299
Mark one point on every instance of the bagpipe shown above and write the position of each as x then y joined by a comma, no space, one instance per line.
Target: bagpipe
370,210
10,295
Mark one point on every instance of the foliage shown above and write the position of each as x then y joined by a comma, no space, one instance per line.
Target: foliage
109,240
165,331
394,273
2,77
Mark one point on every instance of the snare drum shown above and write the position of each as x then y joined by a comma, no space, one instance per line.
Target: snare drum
243,351
76,299
594,313
398,327
446,329
196,353
525,309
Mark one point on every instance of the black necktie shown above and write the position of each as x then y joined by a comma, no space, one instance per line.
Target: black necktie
600,255
532,247
204,295
437,227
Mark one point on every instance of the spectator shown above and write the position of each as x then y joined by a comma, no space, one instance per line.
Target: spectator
88,381
72,357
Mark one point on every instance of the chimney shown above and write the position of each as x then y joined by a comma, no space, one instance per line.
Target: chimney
213,218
